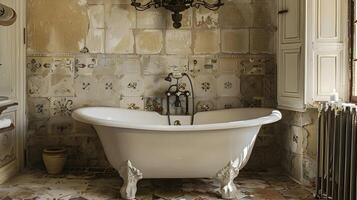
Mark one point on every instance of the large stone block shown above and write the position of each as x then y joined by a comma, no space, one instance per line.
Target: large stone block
262,41
235,41
149,42
50,31
178,42
119,40
206,41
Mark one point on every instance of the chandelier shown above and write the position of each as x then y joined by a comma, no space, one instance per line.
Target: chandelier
176,6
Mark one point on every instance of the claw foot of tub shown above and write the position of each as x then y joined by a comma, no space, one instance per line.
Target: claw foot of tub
226,177
130,176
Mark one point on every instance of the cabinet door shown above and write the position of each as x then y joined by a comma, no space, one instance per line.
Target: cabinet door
291,77
291,21
291,54
327,52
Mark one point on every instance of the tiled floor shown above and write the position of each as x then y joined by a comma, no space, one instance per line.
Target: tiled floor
37,185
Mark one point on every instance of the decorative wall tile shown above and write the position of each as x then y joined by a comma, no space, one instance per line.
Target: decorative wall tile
205,86
38,86
133,103
228,102
229,65
85,89
106,88
38,108
61,106
251,86
154,104
257,65
62,85
203,64
228,85
85,65
132,85
203,105
63,66
39,65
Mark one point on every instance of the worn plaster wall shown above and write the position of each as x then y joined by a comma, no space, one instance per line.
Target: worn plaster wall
228,53
299,140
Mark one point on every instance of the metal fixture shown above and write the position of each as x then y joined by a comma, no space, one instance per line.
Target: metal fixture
176,6
337,152
175,91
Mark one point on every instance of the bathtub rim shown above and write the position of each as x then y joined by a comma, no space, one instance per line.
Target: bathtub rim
274,116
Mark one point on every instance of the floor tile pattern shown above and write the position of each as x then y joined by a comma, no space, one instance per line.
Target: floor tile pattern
36,185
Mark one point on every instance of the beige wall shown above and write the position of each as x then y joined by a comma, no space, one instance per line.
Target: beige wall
228,53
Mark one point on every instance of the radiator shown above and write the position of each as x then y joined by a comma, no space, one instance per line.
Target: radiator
337,152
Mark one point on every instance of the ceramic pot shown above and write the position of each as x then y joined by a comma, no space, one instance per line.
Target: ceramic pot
54,159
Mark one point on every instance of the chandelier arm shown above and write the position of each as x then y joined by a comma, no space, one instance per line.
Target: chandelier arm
142,7
210,6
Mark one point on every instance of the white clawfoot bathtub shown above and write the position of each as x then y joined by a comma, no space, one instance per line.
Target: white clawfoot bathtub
142,145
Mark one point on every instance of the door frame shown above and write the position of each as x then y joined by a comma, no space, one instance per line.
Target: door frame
20,77
17,56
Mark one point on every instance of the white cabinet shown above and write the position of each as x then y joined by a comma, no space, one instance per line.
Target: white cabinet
291,21
312,52
291,54
291,74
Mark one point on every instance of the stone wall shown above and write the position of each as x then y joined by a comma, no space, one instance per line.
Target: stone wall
298,132
228,53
